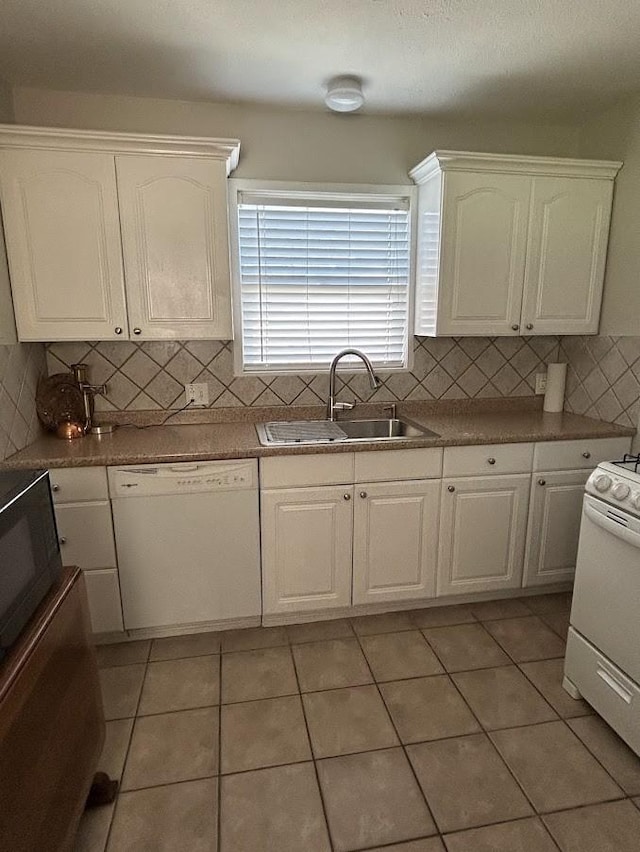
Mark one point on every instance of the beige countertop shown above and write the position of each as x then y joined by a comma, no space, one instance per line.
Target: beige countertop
459,423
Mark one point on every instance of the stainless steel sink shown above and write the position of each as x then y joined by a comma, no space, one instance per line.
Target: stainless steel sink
296,432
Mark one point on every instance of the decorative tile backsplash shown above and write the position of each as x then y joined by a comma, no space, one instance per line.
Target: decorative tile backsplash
603,377
21,365
152,375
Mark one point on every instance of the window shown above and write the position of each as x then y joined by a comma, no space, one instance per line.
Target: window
319,271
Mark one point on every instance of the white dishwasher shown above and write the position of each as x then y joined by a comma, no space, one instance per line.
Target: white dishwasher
187,539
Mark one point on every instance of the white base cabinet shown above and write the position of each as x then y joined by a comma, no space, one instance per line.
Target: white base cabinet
306,548
483,528
395,541
554,526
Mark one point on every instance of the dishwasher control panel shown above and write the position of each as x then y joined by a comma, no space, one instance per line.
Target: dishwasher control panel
182,478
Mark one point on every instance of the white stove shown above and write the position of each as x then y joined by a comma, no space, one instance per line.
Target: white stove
603,648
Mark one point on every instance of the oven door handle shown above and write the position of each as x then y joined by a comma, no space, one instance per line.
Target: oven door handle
631,537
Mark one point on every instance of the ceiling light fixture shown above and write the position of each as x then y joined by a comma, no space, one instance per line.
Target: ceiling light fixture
344,94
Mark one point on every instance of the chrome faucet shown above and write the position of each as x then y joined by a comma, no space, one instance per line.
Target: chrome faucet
332,405
80,374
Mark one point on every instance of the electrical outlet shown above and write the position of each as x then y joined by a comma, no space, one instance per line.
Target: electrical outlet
198,392
541,383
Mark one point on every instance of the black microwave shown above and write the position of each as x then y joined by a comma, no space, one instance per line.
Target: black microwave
30,559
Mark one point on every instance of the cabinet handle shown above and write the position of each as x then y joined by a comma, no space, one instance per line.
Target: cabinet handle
451,488
363,494
118,329
586,455
491,461
137,331
55,488
347,496
515,326
529,326
542,482
62,540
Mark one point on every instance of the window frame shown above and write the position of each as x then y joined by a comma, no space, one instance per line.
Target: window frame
279,188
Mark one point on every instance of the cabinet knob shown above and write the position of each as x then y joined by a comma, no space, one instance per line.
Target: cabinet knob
347,496
118,329
542,482
515,326
363,494
137,331
451,488
586,455
529,326
491,460
62,540
55,488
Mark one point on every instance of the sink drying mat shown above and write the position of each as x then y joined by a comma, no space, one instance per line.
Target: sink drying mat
292,432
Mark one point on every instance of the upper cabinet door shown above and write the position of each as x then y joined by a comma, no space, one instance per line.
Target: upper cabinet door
482,253
62,232
568,234
175,243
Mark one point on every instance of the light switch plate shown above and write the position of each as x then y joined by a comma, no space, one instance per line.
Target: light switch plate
198,392
541,383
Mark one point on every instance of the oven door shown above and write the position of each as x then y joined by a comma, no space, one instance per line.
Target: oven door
606,597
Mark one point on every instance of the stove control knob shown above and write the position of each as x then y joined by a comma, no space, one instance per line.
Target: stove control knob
620,490
602,482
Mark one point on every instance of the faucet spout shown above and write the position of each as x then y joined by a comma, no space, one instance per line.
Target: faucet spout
332,405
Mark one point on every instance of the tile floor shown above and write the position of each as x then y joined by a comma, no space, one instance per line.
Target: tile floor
440,730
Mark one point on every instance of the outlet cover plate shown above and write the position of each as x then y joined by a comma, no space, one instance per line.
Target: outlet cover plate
198,392
541,383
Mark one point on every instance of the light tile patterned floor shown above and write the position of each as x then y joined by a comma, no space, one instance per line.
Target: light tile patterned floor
440,730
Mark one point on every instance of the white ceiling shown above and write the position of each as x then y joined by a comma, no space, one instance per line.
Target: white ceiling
417,56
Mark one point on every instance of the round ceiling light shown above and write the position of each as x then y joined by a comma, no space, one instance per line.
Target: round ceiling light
344,94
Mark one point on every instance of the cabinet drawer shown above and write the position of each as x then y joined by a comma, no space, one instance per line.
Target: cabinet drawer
317,469
389,465
86,535
487,459
574,455
75,484
610,692
103,591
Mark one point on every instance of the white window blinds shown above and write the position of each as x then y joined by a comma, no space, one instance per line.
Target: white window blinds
318,275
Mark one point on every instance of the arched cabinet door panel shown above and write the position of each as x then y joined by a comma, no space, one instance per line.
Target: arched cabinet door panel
62,230
568,235
175,243
483,252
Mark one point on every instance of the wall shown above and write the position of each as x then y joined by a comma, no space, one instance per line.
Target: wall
152,375
21,365
281,144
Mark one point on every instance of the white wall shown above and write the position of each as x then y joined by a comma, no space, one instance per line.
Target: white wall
280,144
615,134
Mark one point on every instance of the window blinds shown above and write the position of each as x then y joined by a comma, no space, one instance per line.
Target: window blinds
318,275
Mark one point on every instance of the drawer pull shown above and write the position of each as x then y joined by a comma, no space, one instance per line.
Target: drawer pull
363,494
586,455
346,497
62,540
55,488
542,482
618,688
491,461
529,326
515,326
451,488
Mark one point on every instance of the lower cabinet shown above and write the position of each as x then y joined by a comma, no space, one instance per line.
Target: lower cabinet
103,592
333,546
483,528
395,541
554,526
306,548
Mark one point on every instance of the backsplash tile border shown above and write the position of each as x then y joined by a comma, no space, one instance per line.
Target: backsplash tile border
150,375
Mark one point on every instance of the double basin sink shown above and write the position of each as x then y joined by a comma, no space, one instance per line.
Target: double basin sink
296,432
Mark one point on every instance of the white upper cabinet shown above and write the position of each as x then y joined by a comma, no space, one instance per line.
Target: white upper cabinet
510,245
116,235
60,212
173,212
